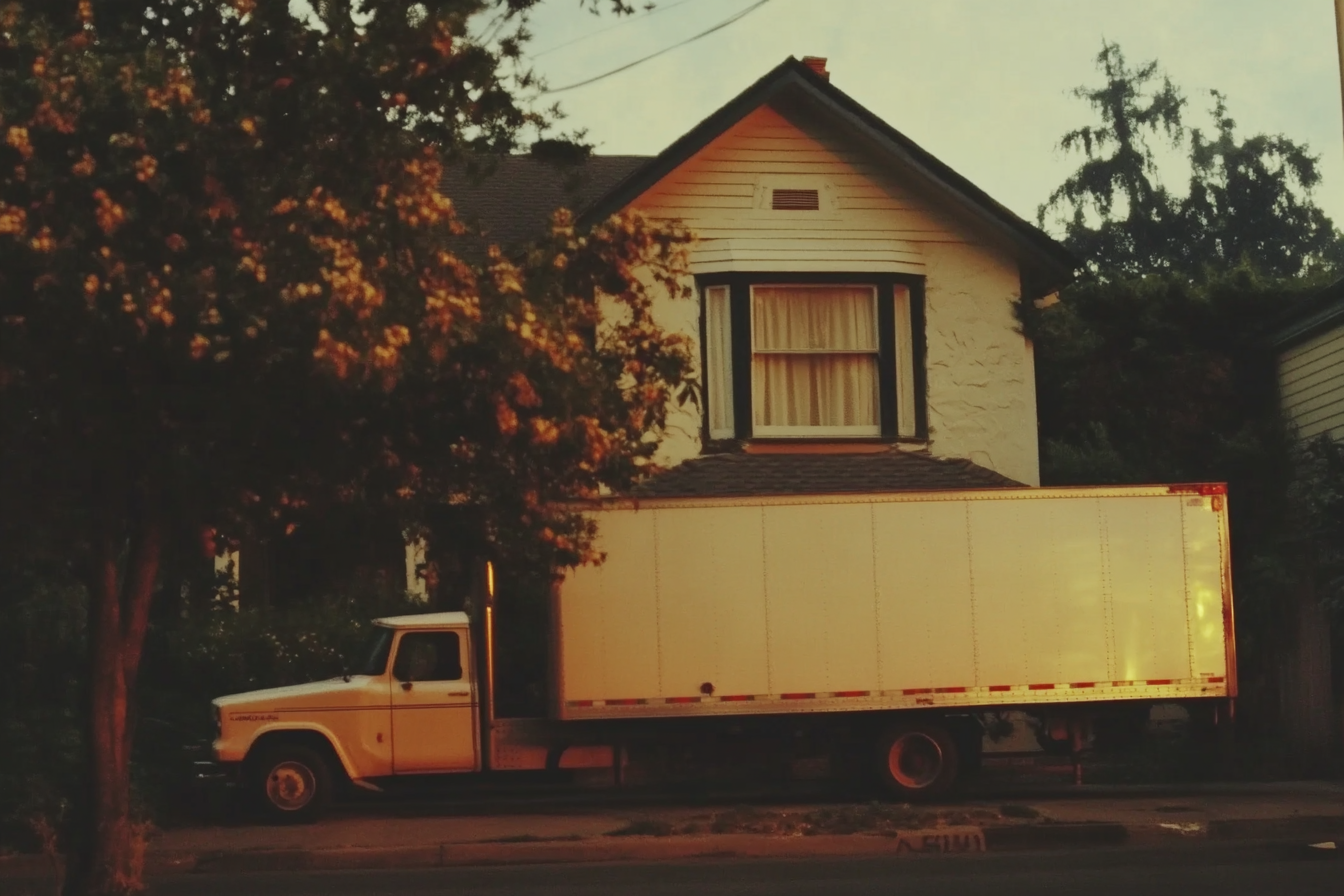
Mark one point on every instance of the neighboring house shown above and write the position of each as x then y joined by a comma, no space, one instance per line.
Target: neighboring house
1310,354
855,310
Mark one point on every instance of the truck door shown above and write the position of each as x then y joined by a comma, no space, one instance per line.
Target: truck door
433,707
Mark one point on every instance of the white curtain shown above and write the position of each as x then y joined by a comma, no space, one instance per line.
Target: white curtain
719,361
814,360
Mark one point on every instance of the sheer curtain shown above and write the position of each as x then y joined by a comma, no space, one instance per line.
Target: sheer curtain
719,360
814,360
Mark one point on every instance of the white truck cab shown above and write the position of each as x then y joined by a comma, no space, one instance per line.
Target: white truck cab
411,709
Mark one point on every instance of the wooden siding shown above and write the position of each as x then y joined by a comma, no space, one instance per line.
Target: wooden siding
1311,380
868,221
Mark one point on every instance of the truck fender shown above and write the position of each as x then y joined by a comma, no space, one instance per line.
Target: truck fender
335,743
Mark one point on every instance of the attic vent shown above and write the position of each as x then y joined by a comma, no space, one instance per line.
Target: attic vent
795,200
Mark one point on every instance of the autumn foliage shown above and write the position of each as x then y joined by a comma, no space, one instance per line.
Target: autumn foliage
232,295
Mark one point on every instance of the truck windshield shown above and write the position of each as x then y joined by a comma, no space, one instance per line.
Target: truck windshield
375,653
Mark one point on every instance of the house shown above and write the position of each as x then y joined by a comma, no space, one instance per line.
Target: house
856,296
1309,349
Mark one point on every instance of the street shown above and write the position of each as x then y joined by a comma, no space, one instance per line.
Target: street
1240,870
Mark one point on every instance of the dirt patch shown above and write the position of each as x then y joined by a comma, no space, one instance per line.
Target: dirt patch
877,819
648,827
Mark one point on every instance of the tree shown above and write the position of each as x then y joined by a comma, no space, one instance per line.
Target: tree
230,298
1247,200
1155,366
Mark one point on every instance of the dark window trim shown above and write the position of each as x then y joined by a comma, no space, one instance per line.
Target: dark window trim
739,285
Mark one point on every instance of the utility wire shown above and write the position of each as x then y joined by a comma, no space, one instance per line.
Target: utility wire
582,37
629,65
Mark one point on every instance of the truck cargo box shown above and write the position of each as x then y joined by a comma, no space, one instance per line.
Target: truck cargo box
861,602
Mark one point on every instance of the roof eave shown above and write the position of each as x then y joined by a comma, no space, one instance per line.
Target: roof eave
1047,266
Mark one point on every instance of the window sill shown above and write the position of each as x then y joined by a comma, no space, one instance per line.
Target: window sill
818,446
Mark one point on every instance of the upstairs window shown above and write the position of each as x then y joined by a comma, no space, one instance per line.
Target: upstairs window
814,361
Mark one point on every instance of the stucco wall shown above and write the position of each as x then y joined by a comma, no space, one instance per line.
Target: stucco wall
981,374
681,441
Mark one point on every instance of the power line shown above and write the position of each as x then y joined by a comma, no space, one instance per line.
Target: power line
629,65
582,37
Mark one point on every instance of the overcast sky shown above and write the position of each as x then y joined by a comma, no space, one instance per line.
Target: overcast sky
985,85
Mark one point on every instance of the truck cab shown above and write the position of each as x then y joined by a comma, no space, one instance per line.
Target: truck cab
410,708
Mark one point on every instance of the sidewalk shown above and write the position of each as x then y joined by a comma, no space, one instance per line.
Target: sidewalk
1087,816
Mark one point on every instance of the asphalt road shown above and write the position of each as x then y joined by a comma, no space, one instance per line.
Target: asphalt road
1242,870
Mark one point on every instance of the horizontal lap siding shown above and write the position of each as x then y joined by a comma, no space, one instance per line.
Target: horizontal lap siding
1311,379
877,224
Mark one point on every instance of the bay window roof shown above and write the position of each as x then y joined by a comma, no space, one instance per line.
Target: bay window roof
888,470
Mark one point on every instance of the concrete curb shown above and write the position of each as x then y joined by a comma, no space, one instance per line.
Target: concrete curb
1088,835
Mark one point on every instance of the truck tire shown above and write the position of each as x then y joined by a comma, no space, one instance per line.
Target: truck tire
917,760
292,783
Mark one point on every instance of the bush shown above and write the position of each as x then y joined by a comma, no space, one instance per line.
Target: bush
42,674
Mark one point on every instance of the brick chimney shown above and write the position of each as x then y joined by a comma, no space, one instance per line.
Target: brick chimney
818,65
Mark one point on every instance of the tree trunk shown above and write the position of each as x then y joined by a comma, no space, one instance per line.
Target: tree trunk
109,851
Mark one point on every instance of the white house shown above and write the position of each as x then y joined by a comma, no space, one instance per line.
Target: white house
856,296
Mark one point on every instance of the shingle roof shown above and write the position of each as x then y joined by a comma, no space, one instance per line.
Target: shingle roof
513,204
738,475
1311,316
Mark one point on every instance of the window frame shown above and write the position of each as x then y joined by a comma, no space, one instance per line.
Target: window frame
890,391
820,432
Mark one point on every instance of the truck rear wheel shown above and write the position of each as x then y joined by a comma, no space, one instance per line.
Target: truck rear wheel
917,760
292,783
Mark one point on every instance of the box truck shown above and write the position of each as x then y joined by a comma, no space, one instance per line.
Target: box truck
879,626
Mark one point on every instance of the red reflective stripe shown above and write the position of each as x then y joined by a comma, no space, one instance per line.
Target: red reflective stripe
797,696
625,701
1083,684
949,690
1040,687
1216,678
909,691
852,693
1161,680
1198,488
734,697
1000,687
580,703
683,699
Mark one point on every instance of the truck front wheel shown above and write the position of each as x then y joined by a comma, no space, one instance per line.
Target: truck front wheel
292,783
917,760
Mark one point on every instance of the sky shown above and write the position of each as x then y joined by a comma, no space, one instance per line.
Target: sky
984,85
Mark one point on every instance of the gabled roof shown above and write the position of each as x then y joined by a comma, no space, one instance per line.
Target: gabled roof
1046,265
741,475
1321,312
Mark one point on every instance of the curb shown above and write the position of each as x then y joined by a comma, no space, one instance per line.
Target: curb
952,840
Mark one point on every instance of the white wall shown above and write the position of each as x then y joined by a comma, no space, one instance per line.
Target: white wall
982,377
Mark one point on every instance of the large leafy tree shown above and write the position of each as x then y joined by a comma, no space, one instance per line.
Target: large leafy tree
1248,200
230,295
1155,366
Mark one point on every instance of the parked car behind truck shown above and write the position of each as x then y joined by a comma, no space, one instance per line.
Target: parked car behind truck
877,626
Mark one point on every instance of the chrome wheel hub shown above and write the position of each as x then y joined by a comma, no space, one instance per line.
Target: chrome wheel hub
291,786
915,760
